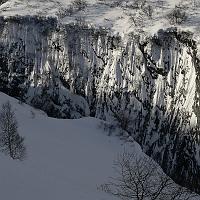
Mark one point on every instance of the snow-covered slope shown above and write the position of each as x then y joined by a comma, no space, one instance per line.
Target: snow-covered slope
112,14
66,159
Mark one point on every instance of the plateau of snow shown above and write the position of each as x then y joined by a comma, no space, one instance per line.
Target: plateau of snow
116,18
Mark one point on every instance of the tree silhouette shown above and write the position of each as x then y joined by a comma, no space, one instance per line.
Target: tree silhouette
11,142
142,179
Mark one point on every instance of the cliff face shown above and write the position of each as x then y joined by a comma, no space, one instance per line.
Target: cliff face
150,87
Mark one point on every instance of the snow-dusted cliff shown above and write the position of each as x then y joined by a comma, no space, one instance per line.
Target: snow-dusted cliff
151,86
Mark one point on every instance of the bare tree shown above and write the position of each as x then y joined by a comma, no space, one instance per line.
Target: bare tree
142,179
177,15
148,10
121,113
73,8
80,4
122,119
11,142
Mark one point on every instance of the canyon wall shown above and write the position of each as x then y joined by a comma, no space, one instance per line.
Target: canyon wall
149,87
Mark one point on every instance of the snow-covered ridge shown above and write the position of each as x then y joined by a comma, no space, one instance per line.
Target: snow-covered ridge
116,15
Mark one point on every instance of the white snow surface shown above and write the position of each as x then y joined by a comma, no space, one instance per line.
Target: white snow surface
115,18
66,159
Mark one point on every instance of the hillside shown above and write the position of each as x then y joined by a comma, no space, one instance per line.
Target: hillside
134,64
66,159
115,15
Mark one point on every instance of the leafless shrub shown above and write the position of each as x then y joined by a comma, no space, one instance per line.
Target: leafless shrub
142,179
79,4
20,102
122,119
148,10
109,128
177,16
63,12
117,3
136,20
11,142
73,8
137,4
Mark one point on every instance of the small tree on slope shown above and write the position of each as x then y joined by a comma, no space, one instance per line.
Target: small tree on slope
141,179
11,142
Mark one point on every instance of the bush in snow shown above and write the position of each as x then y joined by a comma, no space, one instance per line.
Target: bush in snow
79,4
177,16
142,179
148,10
73,8
10,141
63,12
109,128
137,4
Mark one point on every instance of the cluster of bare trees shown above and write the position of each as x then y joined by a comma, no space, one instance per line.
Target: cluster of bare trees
177,15
142,179
79,4
74,7
11,143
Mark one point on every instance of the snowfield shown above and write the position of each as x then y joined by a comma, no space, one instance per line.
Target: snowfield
66,159
116,18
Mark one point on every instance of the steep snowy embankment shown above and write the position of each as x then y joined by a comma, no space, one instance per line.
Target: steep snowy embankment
66,159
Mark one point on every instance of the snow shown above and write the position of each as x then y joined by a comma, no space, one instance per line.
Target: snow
66,159
115,18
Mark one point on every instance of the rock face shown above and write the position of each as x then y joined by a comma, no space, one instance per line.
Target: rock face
151,87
